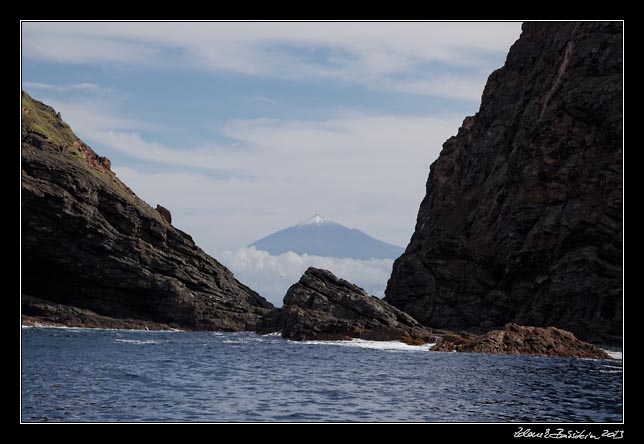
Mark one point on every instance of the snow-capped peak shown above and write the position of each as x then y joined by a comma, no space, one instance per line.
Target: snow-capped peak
317,219
319,236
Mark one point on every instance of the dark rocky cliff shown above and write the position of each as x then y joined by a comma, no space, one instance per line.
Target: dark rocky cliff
89,242
522,219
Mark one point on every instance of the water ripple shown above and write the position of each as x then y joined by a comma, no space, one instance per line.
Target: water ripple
112,375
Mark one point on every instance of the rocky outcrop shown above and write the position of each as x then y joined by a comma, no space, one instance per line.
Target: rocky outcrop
518,340
89,242
522,218
323,307
165,213
41,313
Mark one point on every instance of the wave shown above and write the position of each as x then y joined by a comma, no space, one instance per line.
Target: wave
374,345
249,339
137,341
129,330
614,354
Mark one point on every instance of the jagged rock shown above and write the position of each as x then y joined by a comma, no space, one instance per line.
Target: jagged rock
323,307
522,218
518,340
90,243
165,213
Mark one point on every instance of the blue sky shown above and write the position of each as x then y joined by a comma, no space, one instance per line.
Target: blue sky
245,128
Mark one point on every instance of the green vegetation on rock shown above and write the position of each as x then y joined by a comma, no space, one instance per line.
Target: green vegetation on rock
43,119
43,122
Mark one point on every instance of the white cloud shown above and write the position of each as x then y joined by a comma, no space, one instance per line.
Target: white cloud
87,118
388,55
366,172
337,151
80,48
466,88
59,88
363,170
271,276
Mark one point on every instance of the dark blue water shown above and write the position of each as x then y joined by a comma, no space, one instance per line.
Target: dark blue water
106,375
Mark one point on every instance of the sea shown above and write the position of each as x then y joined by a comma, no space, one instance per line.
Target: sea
99,375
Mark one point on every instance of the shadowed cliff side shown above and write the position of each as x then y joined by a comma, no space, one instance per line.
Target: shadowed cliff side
522,218
89,242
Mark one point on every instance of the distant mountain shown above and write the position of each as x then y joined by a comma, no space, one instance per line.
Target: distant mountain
322,237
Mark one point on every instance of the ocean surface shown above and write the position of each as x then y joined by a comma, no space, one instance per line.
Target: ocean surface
87,375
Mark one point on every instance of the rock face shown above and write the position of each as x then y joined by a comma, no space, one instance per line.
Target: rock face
517,340
89,242
323,307
522,218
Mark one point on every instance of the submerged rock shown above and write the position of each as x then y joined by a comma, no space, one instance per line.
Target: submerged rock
88,242
522,217
518,340
323,307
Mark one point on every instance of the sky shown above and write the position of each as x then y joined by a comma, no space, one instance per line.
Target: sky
245,128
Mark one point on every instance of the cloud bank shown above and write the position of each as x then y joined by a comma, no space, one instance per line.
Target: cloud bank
244,128
365,171
59,88
384,55
271,276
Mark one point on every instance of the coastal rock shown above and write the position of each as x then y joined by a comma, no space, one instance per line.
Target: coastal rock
89,242
41,313
517,340
522,217
323,307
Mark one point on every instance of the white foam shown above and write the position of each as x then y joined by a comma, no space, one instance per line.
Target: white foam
374,345
614,354
136,341
132,330
60,327
243,339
